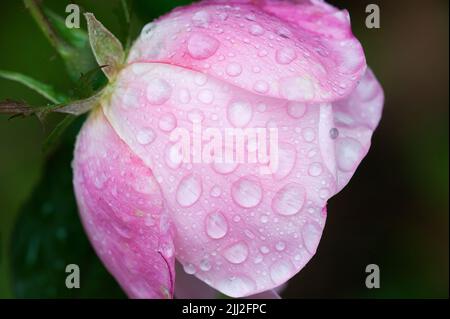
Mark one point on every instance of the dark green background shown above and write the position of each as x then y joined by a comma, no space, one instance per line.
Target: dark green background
394,212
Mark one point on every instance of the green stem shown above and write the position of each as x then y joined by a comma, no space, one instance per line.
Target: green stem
37,13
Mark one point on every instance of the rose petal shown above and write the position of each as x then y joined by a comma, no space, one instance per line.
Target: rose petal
122,211
303,52
244,228
356,117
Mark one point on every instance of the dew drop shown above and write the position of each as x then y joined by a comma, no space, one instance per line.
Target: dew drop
256,29
240,113
201,46
167,122
281,271
205,264
289,200
189,269
189,191
261,86
145,136
296,109
308,134
285,55
216,225
158,91
246,192
280,246
348,153
334,133
315,169
206,96
234,69
236,286
236,253
311,236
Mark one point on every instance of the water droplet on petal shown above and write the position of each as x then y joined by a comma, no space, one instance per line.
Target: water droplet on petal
297,88
189,191
224,168
256,29
285,55
202,46
236,286
216,225
296,109
348,153
206,96
215,191
240,113
234,69
281,271
334,133
308,134
246,192
236,253
280,246
184,96
167,122
315,169
261,86
205,264
189,269
311,236
289,200
158,91
145,136
201,19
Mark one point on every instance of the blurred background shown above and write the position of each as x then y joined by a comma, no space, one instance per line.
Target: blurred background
394,212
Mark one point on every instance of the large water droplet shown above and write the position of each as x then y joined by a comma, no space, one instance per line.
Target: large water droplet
206,96
216,225
247,192
311,236
201,19
234,69
285,55
308,134
281,271
348,153
297,88
286,161
236,286
145,136
256,29
167,122
158,91
296,109
315,169
202,46
261,86
289,200
224,168
189,191
240,113
189,269
236,253
205,264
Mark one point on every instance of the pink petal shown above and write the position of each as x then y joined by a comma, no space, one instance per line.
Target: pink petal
240,231
303,52
356,117
122,211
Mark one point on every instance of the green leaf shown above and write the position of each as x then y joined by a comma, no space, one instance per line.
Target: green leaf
48,236
43,89
107,49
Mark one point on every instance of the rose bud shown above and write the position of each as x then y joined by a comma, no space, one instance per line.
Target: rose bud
220,142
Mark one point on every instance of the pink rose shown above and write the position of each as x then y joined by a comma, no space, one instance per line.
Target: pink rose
292,71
